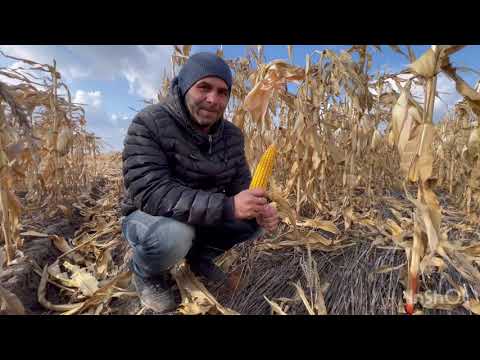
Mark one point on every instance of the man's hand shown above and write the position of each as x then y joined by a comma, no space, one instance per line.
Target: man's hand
249,204
268,219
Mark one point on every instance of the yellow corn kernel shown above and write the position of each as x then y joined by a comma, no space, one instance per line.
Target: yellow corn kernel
264,169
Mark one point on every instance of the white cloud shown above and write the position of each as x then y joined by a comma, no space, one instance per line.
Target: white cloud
8,80
142,66
448,96
90,98
99,121
117,119
114,119
111,127
66,62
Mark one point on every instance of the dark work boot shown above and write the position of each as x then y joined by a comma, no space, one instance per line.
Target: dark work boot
156,294
206,268
201,261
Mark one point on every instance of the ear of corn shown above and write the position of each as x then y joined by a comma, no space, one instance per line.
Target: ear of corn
264,169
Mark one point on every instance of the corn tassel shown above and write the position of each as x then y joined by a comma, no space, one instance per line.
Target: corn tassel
264,169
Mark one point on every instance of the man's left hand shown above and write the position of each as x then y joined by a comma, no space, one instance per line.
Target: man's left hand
268,219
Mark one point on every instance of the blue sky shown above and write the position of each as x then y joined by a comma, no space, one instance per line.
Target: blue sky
112,80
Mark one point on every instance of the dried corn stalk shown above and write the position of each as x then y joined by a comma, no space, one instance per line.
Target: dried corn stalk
44,149
196,299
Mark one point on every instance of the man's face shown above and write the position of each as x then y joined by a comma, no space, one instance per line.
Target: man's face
207,100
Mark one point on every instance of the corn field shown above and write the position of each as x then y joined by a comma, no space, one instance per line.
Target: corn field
360,163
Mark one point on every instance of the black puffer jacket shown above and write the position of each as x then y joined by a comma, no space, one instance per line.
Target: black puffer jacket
172,169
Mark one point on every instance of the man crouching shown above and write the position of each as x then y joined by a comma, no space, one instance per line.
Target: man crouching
186,179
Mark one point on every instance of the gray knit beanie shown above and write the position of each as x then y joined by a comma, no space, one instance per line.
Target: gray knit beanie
201,65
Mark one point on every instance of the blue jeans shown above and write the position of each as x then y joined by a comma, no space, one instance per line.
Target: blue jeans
158,242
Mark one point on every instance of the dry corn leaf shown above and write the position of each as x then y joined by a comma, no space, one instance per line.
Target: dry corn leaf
412,120
426,231
367,221
34,234
226,260
82,279
376,141
123,281
269,78
9,303
399,216
473,144
349,217
405,115
106,292
275,307
3,258
3,159
335,152
433,222
313,279
397,49
319,224
473,306
386,269
74,310
396,233
430,262
283,206
196,299
61,244
103,262
414,256
319,305
13,204
417,158
303,297
472,250
55,272
472,96
313,238
42,299
448,50
186,50
257,103
461,262
428,215
290,53
427,64
64,140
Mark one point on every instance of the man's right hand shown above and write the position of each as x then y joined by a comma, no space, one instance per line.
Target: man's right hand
249,203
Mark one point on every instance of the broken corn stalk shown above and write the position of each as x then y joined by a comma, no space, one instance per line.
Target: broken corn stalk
264,169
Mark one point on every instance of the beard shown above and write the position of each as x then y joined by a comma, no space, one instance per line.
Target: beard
203,116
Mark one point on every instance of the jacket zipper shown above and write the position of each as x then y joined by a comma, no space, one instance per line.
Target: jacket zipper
210,141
